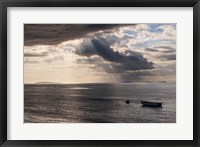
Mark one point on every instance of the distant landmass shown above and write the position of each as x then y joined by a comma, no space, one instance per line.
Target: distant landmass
149,81
47,83
162,82
156,82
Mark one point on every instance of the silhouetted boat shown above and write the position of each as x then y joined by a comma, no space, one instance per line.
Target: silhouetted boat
151,104
127,101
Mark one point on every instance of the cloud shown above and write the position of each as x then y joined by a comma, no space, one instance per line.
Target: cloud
124,52
52,34
144,36
43,54
165,47
168,57
151,49
118,62
30,61
53,59
161,49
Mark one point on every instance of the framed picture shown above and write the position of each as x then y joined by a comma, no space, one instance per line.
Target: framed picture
108,73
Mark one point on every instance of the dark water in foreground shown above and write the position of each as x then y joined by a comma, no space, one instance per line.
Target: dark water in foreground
95,103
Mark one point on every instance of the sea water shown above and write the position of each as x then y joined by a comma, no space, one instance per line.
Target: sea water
98,103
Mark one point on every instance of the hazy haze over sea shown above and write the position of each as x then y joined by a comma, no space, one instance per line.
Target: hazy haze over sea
98,103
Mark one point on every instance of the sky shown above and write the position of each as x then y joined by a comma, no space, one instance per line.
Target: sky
99,53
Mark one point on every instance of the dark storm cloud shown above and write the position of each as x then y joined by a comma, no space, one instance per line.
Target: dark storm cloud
86,48
104,50
118,62
51,34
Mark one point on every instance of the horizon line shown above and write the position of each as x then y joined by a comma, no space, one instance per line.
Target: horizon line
102,82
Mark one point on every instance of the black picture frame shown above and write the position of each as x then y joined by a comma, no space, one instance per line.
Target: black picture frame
4,4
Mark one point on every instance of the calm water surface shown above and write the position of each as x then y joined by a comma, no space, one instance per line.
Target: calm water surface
98,103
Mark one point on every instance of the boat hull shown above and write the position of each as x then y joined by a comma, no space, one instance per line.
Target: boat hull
151,104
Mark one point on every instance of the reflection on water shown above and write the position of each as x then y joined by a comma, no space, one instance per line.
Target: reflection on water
93,103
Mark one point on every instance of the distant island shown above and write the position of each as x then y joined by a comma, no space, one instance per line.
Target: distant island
149,82
47,83
162,82
156,82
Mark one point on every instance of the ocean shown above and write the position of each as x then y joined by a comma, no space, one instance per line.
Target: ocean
98,103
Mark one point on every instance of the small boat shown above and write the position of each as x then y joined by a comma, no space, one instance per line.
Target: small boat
151,104
127,101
